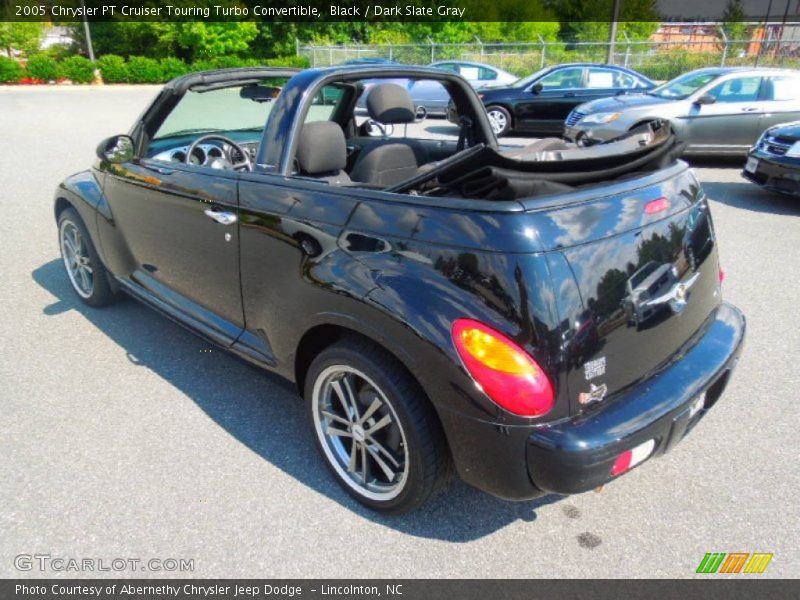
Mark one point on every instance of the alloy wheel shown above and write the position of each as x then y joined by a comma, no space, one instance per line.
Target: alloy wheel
76,257
360,433
498,121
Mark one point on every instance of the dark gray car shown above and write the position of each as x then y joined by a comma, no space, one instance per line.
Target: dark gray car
716,110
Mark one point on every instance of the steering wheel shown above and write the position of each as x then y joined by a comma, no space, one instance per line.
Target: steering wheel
226,162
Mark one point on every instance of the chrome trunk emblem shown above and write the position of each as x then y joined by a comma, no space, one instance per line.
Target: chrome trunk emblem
678,295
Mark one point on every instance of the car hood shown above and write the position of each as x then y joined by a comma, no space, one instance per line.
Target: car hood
786,130
623,101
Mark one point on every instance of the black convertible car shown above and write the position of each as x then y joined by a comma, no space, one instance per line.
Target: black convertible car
441,305
542,101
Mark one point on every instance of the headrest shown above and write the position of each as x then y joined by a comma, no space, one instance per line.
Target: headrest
390,103
321,148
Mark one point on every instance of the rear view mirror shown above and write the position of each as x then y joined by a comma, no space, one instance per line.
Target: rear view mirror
706,99
117,149
259,93
538,87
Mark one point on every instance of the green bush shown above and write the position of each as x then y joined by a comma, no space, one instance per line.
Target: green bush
172,68
77,69
144,70
664,65
113,68
41,66
300,62
10,70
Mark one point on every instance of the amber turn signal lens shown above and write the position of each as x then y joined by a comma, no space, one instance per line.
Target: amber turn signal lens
503,370
495,354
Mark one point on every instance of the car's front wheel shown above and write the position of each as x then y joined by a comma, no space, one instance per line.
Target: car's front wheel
86,273
499,119
375,428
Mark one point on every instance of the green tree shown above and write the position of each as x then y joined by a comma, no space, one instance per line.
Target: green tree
589,20
20,36
734,26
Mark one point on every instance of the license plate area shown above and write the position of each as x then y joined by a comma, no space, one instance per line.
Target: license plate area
752,165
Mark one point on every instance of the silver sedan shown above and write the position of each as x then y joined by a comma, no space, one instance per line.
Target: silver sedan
717,110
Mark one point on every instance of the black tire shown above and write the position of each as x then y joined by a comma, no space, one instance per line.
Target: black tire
99,292
506,120
426,466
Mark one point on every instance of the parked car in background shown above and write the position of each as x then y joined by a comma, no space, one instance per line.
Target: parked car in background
431,98
540,102
479,75
719,110
774,161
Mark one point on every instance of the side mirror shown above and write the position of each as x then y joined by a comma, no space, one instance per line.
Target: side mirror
706,99
117,149
538,87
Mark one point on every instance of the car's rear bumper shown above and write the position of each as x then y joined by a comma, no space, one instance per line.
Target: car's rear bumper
576,455
776,175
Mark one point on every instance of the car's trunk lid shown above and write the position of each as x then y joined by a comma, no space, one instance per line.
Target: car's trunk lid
636,275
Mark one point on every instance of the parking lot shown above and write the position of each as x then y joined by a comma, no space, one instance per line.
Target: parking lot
123,435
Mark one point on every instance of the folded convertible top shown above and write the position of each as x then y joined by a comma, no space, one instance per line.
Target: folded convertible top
489,174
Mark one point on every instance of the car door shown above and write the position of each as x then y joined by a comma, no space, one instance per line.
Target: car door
545,103
782,101
179,224
731,121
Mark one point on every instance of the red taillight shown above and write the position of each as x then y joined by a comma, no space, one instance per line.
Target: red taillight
656,206
622,464
505,372
630,458
721,274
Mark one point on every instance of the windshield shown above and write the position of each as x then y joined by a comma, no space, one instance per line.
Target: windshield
683,86
643,274
531,78
216,110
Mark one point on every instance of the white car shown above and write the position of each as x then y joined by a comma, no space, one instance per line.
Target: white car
478,74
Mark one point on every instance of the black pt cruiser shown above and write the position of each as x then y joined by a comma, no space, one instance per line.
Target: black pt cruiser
442,304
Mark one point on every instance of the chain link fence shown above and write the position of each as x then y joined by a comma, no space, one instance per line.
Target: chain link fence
659,60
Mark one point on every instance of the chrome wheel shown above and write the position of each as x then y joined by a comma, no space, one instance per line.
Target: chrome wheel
360,433
498,121
76,257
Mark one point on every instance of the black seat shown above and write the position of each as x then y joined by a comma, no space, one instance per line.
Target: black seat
322,152
388,161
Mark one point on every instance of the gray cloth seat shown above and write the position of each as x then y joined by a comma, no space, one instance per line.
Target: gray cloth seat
322,152
389,161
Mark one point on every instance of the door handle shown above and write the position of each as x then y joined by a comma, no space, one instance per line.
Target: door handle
750,109
221,216
569,95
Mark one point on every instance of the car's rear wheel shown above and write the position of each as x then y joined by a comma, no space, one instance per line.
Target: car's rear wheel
499,119
376,430
86,273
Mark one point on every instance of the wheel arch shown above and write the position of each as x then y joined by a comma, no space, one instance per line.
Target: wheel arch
651,119
61,204
323,335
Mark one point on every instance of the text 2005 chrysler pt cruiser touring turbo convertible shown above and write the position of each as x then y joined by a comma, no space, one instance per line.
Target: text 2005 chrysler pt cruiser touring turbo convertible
441,304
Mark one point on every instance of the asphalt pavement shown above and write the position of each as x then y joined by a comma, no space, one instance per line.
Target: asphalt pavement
124,436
